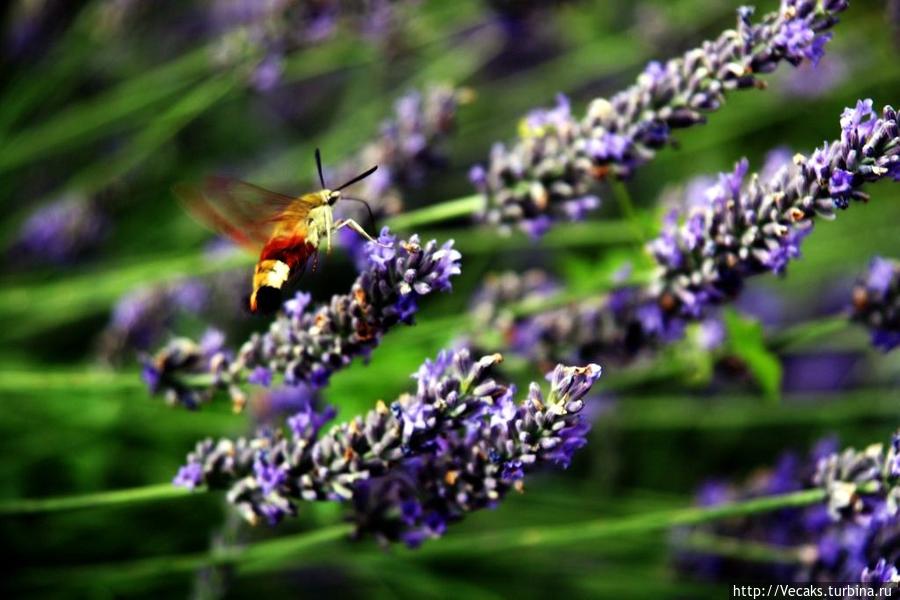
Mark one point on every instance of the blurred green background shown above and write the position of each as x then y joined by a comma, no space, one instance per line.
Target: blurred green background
118,100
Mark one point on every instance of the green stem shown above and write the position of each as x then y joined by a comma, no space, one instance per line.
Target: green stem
587,234
270,555
563,535
147,493
254,558
623,199
809,331
661,413
45,380
743,550
444,211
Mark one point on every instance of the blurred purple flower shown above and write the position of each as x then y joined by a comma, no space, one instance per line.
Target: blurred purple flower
267,31
141,318
712,333
813,81
876,303
819,371
60,232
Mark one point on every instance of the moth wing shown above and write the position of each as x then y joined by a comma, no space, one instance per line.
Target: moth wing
245,213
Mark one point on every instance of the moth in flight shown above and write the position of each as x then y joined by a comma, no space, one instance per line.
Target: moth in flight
286,231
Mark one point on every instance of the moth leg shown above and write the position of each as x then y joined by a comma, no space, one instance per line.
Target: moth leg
329,224
358,229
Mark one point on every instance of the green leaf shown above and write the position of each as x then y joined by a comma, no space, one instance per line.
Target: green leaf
746,341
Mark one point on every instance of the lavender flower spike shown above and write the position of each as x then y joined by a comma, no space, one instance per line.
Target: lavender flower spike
473,466
550,171
706,252
458,444
758,228
876,303
306,344
850,537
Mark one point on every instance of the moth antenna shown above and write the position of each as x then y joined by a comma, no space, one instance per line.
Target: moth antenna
359,177
319,168
364,203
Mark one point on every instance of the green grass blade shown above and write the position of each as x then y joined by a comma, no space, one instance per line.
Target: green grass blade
150,493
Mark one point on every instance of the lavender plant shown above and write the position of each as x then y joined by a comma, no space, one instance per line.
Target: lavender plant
876,303
306,344
460,440
740,229
550,172
272,30
849,537
457,445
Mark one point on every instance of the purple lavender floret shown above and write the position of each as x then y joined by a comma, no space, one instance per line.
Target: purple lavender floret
275,404
189,476
876,303
458,444
60,232
260,376
558,159
305,344
882,573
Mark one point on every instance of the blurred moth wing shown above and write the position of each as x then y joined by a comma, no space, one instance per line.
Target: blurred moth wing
245,213
273,225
